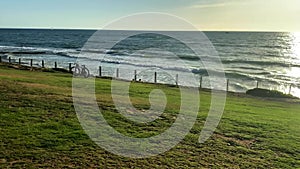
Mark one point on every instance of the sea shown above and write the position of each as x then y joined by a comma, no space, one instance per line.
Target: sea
269,59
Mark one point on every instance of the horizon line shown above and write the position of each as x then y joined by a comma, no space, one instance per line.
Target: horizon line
96,29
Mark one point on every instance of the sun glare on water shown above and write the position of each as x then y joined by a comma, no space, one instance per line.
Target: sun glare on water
295,70
295,49
296,46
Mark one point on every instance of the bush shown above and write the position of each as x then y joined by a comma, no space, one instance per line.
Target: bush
268,93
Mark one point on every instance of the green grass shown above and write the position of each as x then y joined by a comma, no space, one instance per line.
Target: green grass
39,128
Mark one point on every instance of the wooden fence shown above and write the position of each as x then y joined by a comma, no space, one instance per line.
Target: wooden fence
155,78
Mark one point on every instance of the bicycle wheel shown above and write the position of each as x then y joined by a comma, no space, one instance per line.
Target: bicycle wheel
85,72
76,71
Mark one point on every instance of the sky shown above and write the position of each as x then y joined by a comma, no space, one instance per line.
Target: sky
222,15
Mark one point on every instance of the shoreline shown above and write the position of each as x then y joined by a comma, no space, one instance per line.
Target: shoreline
62,70
235,83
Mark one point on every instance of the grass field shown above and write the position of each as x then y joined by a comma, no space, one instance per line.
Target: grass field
39,128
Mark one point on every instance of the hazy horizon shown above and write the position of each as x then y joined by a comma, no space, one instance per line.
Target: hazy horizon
93,29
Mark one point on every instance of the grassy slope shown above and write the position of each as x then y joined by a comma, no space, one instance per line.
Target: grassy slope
39,128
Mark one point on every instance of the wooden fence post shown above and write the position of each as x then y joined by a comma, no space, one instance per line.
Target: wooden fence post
257,84
176,80
43,64
9,59
155,77
227,88
100,71
19,61
70,67
290,89
55,65
31,63
117,73
135,75
200,82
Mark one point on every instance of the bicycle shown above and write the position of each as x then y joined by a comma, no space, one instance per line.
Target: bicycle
80,70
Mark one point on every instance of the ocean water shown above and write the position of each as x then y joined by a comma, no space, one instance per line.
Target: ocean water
271,58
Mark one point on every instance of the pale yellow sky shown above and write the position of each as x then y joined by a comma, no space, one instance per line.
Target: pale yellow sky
258,15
